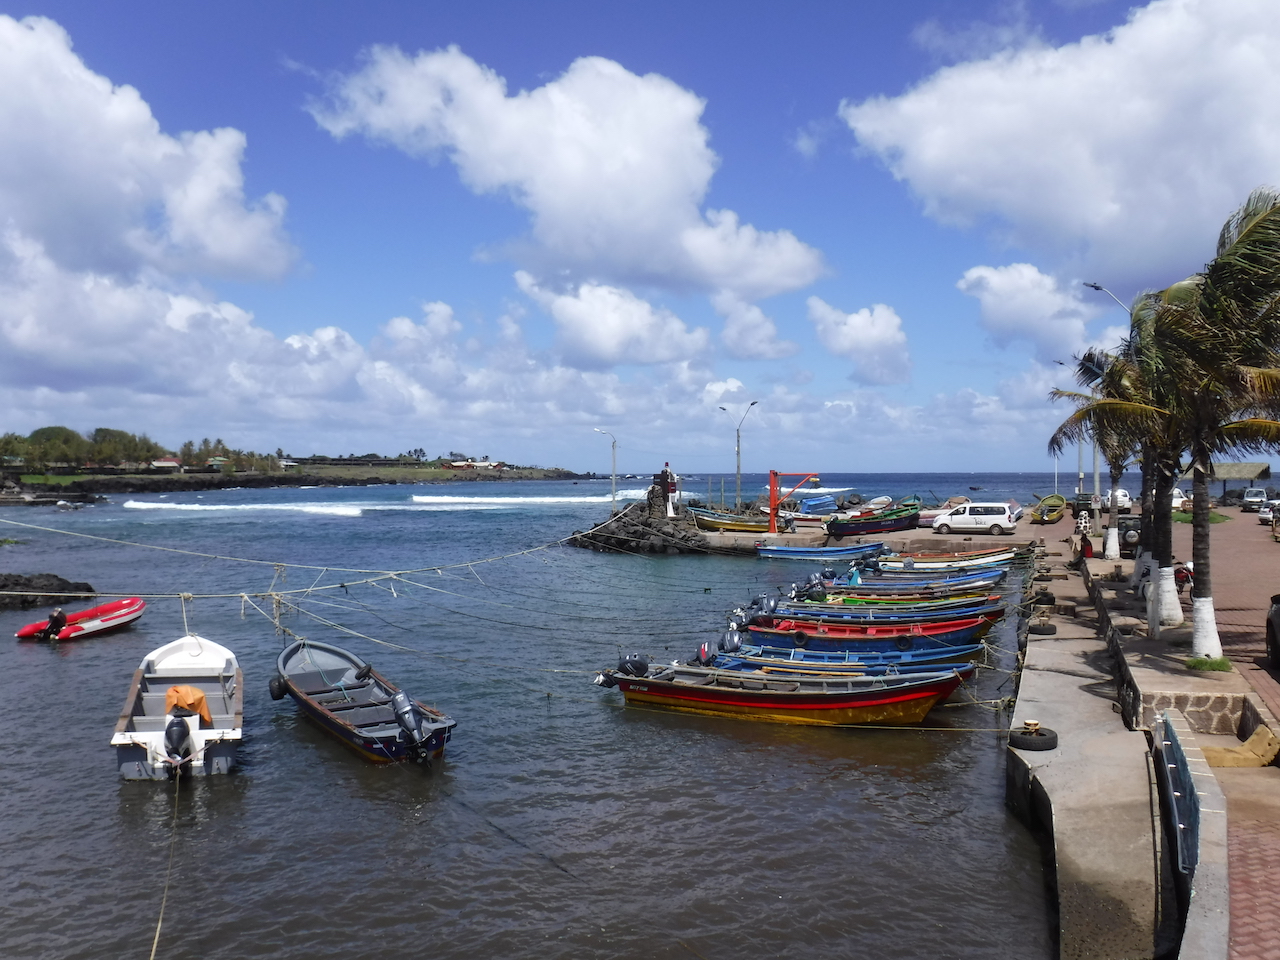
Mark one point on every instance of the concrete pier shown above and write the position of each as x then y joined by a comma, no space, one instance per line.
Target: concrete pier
1093,796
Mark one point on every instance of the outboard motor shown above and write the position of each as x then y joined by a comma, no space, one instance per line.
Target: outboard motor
731,642
706,653
814,577
177,738
633,665
828,574
769,605
407,716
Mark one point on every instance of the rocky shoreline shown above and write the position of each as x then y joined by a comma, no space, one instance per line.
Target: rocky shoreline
18,592
644,527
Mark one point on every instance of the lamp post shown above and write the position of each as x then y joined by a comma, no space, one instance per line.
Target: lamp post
1114,509
613,476
737,448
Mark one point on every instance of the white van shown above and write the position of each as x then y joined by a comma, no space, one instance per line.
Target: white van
1253,498
992,518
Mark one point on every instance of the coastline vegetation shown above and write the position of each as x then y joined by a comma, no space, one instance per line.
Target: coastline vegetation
59,456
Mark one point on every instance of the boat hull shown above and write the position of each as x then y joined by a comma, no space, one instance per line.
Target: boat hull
103,618
820,554
350,700
885,524
838,702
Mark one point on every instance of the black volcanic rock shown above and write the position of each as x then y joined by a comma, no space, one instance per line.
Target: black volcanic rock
38,590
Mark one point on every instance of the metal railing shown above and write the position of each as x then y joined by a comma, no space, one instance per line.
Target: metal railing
1178,795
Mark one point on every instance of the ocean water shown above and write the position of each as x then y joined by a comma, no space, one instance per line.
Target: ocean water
560,824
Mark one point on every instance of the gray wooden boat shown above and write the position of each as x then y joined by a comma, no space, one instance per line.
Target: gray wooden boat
358,705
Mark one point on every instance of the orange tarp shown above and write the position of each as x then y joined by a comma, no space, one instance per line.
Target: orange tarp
188,698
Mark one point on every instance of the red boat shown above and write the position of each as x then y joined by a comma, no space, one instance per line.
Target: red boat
753,695
87,623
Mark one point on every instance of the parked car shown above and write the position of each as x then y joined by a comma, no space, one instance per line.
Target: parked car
1253,500
1273,632
1180,501
1123,500
1081,503
1267,511
1130,529
994,518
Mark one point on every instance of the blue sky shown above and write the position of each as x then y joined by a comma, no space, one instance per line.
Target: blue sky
351,228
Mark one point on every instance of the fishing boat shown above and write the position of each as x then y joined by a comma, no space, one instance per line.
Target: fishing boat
854,552
902,516
183,714
1050,509
728,522
869,616
359,706
783,658
87,623
892,581
867,638
751,695
944,564
928,514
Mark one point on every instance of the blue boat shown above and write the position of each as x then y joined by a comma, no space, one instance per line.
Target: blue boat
870,658
792,660
856,552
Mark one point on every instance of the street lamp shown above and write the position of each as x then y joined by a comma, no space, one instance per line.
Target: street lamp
737,447
613,483
1101,289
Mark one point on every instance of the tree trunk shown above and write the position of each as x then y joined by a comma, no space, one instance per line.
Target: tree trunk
1204,640
1111,549
1163,606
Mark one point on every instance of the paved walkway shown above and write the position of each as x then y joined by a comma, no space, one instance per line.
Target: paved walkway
1246,572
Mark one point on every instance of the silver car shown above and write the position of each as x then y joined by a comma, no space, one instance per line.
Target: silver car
1267,511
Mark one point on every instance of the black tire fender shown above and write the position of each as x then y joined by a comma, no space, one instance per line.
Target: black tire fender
277,688
1043,629
801,639
1042,739
903,643
364,672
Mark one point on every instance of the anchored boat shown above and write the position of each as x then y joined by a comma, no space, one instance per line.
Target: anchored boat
752,695
359,706
87,623
183,714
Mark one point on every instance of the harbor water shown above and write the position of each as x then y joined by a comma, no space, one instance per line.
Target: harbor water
559,824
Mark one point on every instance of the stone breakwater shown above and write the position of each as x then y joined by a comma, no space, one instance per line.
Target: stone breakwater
644,528
18,592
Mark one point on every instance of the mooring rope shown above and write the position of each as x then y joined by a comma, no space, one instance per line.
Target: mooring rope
168,875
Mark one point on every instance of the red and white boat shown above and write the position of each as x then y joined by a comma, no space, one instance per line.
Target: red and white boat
87,623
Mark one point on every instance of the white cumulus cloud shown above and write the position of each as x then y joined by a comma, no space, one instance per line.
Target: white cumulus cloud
612,167
1117,156
871,337
86,170
748,334
602,326
1018,302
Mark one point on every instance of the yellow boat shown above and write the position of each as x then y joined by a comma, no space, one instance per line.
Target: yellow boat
1050,509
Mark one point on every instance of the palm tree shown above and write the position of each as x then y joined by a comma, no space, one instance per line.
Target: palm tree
1200,374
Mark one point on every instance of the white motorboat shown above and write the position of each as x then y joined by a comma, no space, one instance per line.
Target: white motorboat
184,713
